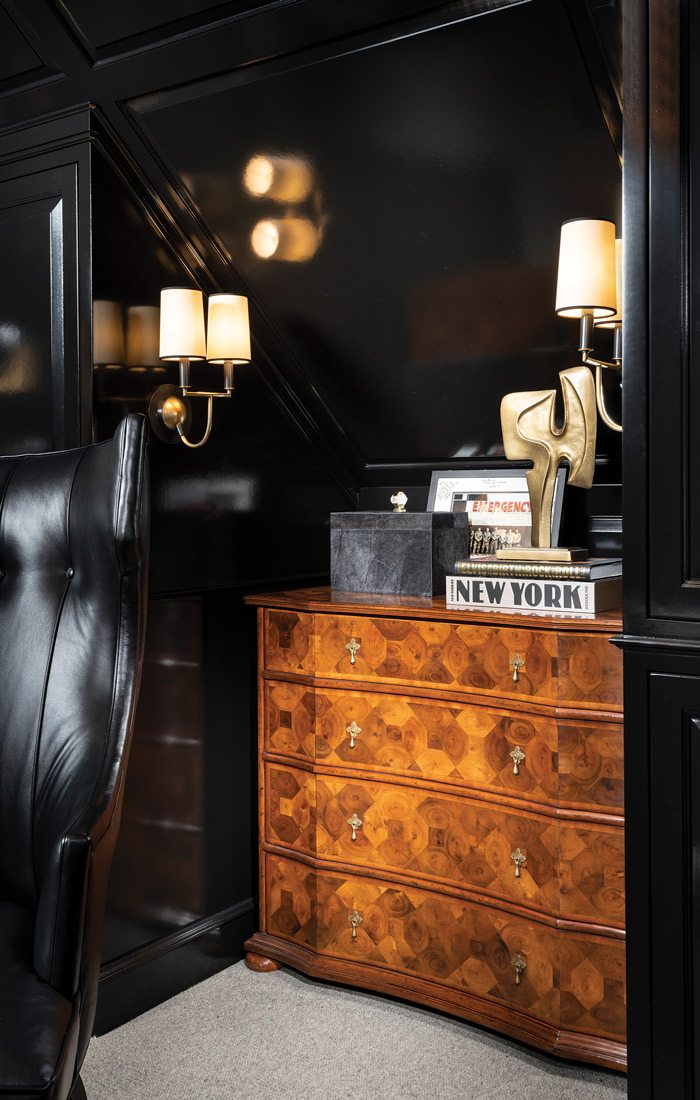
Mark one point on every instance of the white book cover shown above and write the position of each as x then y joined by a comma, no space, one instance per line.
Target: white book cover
553,596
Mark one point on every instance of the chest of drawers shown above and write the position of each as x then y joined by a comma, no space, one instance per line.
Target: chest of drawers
441,812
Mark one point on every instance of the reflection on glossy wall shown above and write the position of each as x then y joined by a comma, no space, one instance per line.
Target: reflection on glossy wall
436,172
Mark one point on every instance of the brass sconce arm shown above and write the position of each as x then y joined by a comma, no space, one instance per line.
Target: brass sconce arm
587,357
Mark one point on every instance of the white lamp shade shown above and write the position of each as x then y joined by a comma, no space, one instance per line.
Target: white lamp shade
142,336
616,319
228,330
586,281
182,324
107,332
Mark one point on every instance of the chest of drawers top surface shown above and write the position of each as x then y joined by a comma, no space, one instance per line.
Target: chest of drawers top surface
322,599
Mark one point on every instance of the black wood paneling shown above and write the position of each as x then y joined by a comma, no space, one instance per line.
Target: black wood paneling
23,61
40,385
662,363
662,547
662,781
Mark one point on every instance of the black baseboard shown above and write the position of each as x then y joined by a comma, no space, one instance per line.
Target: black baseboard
135,982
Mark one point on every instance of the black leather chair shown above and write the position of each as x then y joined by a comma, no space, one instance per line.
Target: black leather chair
73,566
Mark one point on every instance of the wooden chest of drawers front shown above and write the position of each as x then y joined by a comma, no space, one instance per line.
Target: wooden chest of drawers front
441,816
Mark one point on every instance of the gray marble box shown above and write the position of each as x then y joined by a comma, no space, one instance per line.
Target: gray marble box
396,553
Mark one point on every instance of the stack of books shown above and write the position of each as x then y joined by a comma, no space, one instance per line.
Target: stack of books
557,588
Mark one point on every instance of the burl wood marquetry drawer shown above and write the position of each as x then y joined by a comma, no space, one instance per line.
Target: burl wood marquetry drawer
569,981
506,661
537,758
441,800
571,869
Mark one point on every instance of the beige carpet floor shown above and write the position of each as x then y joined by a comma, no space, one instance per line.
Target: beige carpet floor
281,1037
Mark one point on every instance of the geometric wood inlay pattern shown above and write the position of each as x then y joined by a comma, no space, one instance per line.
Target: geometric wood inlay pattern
573,869
576,980
436,829
559,667
466,744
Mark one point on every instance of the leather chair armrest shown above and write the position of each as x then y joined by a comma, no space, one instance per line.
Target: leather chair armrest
60,922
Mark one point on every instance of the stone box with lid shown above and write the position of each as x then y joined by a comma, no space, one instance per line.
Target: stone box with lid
396,553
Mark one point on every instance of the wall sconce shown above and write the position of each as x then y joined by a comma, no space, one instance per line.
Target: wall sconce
589,288
182,340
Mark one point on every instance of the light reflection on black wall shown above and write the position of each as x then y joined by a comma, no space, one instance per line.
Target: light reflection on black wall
447,162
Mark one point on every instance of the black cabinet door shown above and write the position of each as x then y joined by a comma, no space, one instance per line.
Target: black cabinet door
40,329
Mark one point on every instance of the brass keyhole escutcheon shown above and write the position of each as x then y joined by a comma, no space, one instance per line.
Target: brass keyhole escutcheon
518,757
519,964
354,730
355,823
354,919
516,663
353,647
519,859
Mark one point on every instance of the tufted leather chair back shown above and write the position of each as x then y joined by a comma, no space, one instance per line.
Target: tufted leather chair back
73,556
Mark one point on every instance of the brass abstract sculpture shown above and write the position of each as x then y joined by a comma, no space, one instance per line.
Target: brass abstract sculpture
530,432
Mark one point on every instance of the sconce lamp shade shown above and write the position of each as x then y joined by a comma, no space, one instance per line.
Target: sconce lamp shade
182,324
228,330
616,319
107,333
142,336
586,281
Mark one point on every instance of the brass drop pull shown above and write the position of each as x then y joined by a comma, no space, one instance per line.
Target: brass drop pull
516,663
353,647
355,823
519,964
354,919
354,730
518,757
519,859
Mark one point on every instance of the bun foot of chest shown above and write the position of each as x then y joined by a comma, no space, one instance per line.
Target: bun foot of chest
260,963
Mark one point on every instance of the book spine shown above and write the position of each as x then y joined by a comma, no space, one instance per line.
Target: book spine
556,571
563,597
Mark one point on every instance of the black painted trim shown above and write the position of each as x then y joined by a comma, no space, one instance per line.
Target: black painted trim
135,959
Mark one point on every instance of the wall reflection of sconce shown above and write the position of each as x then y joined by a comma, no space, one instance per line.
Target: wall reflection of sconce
589,288
282,178
288,180
292,239
142,338
182,339
107,334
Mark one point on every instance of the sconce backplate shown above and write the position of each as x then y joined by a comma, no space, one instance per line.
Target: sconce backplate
161,429
156,402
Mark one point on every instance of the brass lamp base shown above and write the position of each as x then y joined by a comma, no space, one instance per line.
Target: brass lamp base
543,553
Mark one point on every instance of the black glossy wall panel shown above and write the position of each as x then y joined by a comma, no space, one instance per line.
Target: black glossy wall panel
443,164
38,319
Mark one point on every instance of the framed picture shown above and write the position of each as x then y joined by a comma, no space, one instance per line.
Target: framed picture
498,505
